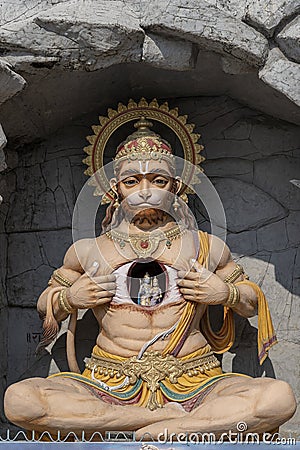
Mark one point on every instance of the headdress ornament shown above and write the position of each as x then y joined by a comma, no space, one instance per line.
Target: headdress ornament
142,140
144,144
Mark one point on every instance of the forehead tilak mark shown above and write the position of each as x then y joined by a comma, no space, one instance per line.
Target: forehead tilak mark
143,172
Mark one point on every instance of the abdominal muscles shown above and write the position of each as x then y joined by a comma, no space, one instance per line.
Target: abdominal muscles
126,328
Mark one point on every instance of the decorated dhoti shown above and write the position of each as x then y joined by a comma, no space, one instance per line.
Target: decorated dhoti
152,380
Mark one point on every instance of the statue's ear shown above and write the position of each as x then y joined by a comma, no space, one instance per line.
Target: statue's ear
113,183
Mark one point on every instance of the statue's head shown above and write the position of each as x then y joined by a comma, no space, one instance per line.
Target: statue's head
155,282
141,185
145,181
146,278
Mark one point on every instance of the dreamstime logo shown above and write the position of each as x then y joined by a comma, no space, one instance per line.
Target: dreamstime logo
241,426
84,223
237,436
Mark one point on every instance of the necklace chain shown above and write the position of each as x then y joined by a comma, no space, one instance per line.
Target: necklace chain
145,244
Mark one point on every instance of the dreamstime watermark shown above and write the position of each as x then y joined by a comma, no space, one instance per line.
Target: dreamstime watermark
237,436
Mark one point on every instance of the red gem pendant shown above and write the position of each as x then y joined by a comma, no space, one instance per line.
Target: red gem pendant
144,244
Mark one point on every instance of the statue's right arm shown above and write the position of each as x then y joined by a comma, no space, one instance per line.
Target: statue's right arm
72,271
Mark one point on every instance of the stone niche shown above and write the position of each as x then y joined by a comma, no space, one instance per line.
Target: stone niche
64,63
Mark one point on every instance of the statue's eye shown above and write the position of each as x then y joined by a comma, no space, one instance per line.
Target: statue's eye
160,181
130,182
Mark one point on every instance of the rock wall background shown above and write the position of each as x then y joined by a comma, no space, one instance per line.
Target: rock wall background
232,66
251,159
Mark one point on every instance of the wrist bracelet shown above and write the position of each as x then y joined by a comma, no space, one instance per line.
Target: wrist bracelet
63,302
234,296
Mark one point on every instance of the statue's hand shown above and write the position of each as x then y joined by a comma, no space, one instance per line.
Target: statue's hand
90,291
202,286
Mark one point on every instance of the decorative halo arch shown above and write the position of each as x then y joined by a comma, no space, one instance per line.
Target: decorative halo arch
134,111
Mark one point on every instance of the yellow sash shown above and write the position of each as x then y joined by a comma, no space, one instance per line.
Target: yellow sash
222,340
190,307
266,337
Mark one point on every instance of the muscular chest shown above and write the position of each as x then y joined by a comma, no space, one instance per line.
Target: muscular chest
111,255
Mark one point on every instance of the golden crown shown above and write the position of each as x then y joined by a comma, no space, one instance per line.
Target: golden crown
144,144
145,141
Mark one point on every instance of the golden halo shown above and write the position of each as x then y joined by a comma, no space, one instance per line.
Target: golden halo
133,111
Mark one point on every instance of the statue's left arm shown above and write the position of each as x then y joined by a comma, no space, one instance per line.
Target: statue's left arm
221,258
211,286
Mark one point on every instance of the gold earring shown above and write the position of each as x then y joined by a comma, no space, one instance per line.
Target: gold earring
116,203
176,203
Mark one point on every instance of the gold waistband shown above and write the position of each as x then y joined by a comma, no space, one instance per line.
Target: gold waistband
152,364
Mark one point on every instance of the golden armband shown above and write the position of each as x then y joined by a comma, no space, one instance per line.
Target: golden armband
60,279
238,271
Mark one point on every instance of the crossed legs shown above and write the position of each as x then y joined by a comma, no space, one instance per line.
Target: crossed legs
63,404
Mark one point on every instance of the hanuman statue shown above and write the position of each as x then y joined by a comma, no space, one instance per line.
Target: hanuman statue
153,366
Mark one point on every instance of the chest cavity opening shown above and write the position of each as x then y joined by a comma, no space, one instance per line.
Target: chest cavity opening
147,283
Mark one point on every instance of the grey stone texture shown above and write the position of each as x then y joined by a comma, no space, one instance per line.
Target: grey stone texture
281,169
22,341
162,52
81,34
289,40
3,142
221,43
282,74
3,353
235,195
266,16
15,11
10,82
208,27
236,8
231,65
